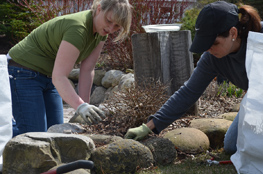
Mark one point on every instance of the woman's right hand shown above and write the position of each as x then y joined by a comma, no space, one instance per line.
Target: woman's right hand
90,113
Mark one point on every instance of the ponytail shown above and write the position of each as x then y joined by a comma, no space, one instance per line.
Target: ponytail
249,21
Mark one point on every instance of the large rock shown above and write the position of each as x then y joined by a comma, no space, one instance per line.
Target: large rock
100,139
122,157
236,108
66,128
215,129
37,152
163,150
189,140
127,81
74,75
228,116
111,78
98,95
99,74
111,92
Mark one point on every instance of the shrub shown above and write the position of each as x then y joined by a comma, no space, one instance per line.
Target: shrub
15,22
133,106
144,13
189,20
229,89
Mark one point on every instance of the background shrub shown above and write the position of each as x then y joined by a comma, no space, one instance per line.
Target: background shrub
132,107
25,15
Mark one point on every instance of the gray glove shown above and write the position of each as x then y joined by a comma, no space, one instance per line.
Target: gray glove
90,113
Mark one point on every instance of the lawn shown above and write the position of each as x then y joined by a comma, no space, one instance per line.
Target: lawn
194,164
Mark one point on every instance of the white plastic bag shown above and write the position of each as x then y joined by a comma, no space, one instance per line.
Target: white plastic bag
5,107
249,156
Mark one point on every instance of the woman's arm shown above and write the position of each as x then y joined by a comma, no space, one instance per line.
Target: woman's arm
87,73
64,63
185,97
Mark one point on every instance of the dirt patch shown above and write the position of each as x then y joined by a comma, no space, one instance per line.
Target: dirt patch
210,105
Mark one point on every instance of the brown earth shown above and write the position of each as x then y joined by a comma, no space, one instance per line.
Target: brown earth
209,106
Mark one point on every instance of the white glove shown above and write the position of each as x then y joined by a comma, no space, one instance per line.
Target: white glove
90,113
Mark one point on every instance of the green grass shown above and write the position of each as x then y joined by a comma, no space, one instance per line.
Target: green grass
229,89
196,165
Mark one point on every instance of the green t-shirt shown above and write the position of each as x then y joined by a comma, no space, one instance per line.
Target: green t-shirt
39,49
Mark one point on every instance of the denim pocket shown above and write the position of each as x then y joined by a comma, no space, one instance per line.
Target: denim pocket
21,74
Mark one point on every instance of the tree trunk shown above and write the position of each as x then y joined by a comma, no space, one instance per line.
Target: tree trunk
164,55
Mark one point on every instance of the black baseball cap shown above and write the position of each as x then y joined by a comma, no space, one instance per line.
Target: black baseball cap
215,18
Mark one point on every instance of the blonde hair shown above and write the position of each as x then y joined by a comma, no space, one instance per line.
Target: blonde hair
122,14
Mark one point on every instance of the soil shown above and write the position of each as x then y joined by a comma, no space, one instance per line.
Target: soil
210,105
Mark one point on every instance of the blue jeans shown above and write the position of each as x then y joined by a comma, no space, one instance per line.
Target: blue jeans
230,141
36,104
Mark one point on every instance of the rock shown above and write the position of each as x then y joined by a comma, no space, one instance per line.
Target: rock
98,95
110,92
111,78
228,116
74,75
188,140
121,157
37,152
163,150
215,129
126,82
100,139
99,74
77,119
236,108
66,128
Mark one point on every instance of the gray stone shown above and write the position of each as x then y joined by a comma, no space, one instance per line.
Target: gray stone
99,74
37,152
188,140
111,92
74,75
163,150
77,119
127,81
228,116
100,139
98,95
122,157
215,129
236,107
66,128
111,78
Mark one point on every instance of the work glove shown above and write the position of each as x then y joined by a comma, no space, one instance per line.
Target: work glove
90,113
138,133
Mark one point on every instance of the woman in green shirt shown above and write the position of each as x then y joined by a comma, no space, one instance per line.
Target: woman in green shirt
39,65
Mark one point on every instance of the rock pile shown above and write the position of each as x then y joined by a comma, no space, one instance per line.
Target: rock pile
39,152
